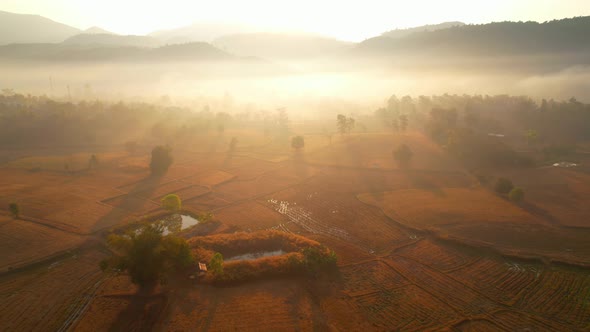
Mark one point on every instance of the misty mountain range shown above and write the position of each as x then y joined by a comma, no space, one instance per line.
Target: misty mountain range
32,37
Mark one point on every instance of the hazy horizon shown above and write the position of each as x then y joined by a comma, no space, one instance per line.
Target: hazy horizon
344,21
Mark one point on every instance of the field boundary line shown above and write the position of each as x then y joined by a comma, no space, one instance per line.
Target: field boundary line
73,318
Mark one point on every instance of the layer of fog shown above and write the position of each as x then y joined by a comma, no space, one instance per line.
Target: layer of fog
303,88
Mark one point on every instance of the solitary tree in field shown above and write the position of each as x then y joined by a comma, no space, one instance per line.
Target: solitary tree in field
516,194
503,186
216,264
14,209
403,155
161,159
344,124
171,202
93,161
297,142
147,255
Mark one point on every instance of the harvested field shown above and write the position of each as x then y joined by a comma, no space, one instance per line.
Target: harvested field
265,306
246,168
206,202
277,307
476,325
408,241
455,294
370,277
346,252
339,216
162,190
374,181
28,242
405,309
132,203
516,321
191,192
505,282
265,184
447,207
561,296
368,151
209,179
251,215
436,256
36,300
561,194
118,306
62,163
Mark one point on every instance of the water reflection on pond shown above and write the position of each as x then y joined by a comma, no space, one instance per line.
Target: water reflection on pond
176,222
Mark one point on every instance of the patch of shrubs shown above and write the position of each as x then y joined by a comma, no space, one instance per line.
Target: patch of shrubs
302,257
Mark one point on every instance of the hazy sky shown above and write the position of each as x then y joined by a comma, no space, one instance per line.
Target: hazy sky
344,19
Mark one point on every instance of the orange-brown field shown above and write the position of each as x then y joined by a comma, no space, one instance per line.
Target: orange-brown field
423,247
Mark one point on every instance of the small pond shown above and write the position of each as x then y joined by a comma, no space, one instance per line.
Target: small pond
177,222
255,255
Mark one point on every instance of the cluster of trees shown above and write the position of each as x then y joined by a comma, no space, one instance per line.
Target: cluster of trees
39,120
29,120
505,186
510,115
147,255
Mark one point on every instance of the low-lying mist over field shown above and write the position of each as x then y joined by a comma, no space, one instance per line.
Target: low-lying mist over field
278,84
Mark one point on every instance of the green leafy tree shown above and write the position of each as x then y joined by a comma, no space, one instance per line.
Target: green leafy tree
171,202
317,259
297,142
147,255
161,159
216,264
14,209
205,217
503,186
516,194
403,155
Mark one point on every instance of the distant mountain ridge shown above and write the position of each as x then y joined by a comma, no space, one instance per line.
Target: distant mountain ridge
503,38
36,37
399,33
24,28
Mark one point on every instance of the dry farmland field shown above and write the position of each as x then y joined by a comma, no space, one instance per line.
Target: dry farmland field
424,247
